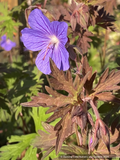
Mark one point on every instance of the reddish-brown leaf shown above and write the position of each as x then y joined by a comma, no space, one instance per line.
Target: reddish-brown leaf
72,149
73,22
83,40
107,97
60,80
66,129
45,140
47,101
108,82
59,113
97,2
110,5
57,11
103,77
91,77
52,92
114,150
79,15
83,81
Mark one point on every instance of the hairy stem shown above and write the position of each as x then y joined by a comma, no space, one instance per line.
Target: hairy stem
104,49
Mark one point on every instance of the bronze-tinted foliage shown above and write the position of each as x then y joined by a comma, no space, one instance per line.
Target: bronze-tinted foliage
84,39
61,105
100,150
72,108
46,141
114,150
80,15
83,14
107,83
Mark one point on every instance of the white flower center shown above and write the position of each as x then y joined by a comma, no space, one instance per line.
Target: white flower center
54,39
8,41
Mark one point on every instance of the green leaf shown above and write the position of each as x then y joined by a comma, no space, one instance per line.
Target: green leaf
39,115
17,111
19,7
7,25
31,154
4,9
13,151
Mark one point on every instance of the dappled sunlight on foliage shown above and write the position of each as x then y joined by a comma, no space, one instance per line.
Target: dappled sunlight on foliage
60,79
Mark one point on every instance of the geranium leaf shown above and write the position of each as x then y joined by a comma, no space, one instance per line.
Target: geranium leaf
65,82
107,82
73,149
45,140
109,5
65,131
83,40
47,101
108,97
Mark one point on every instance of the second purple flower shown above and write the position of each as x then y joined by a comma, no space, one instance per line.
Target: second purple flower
50,38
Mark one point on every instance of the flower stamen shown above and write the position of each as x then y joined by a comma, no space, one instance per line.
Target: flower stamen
48,47
54,41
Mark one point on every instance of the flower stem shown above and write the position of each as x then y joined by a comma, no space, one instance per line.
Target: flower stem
10,56
45,1
48,81
24,124
95,109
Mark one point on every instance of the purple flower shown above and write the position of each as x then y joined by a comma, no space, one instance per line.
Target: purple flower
7,44
50,38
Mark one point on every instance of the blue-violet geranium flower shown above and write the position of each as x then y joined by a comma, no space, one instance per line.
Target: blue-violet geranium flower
7,44
50,38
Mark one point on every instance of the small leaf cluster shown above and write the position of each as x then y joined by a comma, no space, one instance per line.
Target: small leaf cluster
8,25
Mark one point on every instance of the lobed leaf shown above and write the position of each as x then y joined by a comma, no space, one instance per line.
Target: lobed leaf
91,77
114,150
73,149
45,140
64,131
83,40
110,5
107,82
13,151
30,154
61,81
107,97
46,101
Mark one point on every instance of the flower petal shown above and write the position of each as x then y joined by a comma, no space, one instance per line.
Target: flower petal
60,30
3,38
56,57
9,46
38,21
44,65
34,40
61,57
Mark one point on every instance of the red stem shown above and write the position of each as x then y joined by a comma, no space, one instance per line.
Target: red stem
95,109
